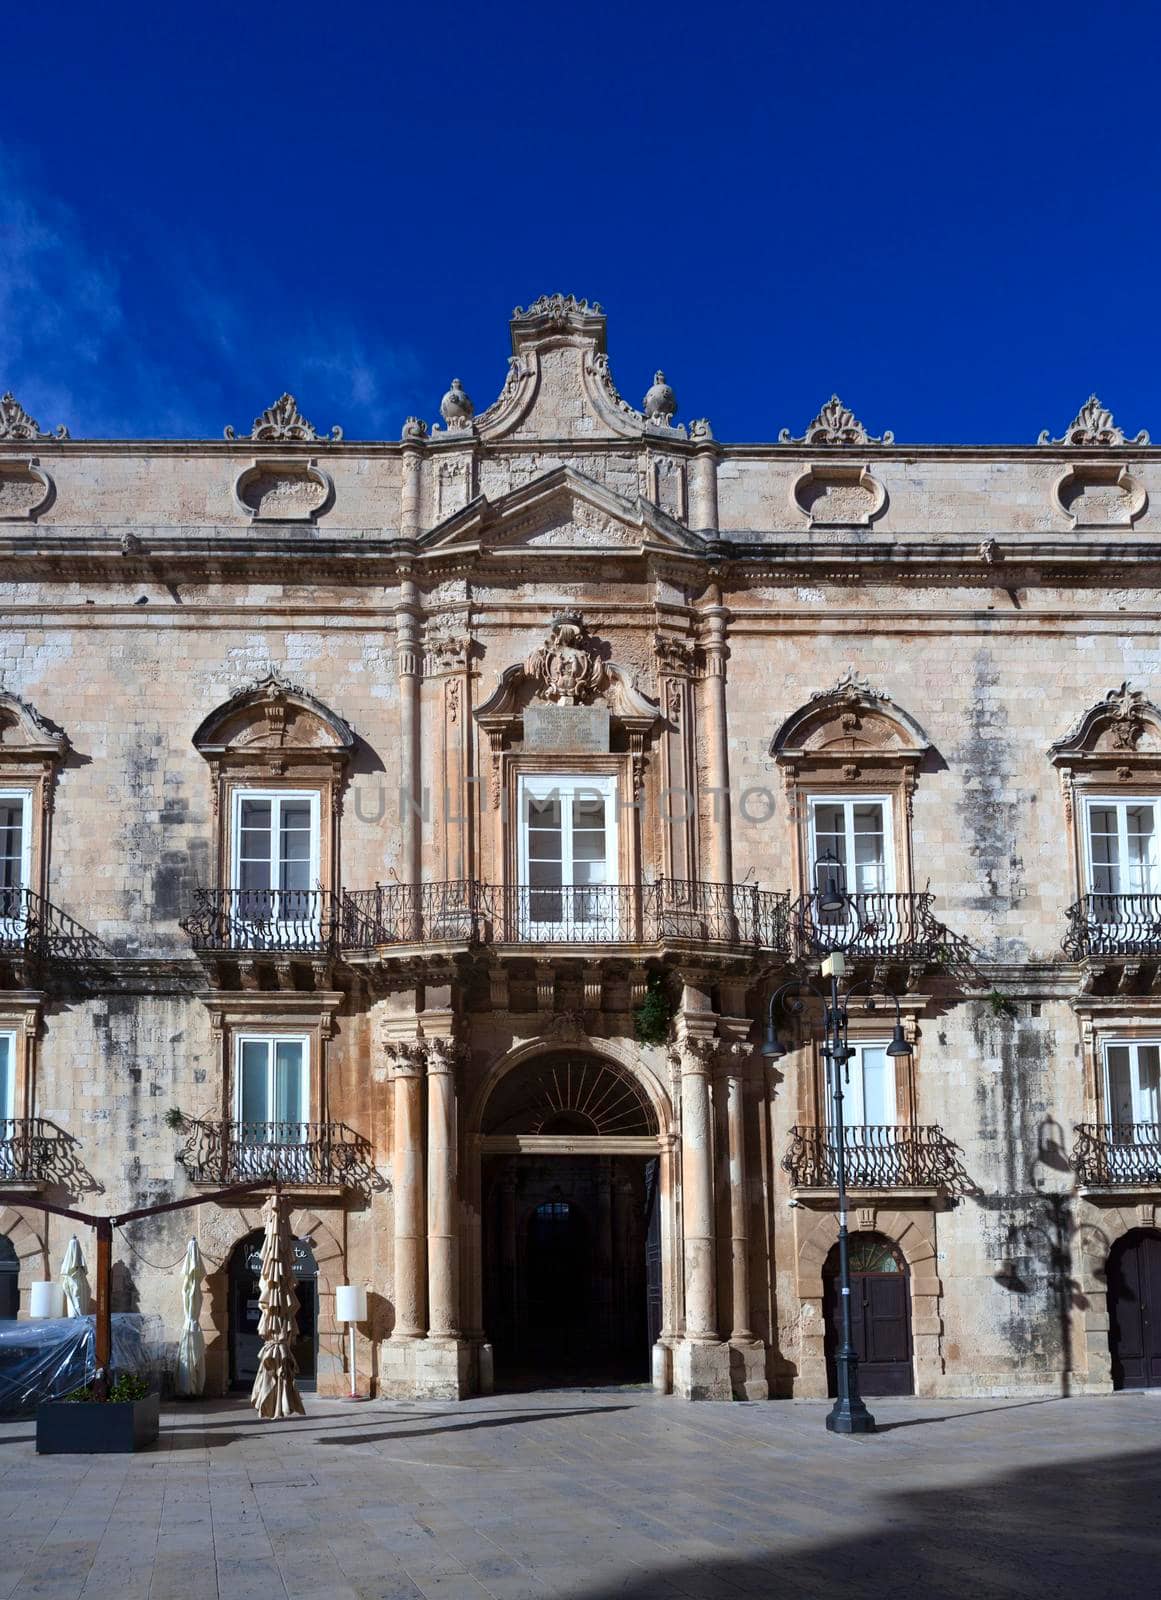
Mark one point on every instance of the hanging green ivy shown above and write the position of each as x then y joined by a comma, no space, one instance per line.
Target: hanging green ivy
654,1016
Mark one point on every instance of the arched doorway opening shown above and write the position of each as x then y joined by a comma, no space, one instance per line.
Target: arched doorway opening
1134,1280
245,1341
571,1225
880,1315
9,1280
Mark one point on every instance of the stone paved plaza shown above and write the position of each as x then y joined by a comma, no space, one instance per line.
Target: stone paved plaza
585,1494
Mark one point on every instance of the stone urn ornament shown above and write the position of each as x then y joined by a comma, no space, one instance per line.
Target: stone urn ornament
660,403
456,408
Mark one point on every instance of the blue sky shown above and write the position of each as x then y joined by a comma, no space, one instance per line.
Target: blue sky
948,214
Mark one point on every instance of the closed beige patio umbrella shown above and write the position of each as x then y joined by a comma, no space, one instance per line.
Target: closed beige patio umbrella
74,1281
274,1393
191,1349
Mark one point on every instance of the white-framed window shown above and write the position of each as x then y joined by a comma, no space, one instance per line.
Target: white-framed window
854,832
868,1086
7,1075
275,845
271,1087
15,857
1121,848
567,851
1132,1081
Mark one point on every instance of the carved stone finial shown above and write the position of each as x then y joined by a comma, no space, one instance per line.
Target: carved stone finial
283,422
1126,719
851,685
566,665
835,424
414,428
557,308
700,428
456,408
15,423
660,402
1093,425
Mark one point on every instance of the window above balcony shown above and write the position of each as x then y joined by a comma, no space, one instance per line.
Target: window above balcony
1110,769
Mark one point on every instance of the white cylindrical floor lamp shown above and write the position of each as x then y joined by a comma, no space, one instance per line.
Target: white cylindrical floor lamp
351,1307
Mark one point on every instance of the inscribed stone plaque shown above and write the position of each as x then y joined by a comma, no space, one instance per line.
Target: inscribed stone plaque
566,728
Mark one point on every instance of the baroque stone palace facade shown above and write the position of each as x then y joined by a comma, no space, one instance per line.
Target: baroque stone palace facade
427,825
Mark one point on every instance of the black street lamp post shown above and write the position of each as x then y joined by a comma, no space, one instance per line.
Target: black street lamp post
848,1414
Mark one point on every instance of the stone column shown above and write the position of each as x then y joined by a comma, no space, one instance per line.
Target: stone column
443,1297
407,1186
410,663
701,1361
739,1221
719,855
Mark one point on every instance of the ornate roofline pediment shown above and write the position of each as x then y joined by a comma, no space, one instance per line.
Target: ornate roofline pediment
268,699
1124,713
485,524
845,707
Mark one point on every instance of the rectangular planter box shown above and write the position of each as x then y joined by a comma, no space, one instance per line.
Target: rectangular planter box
85,1428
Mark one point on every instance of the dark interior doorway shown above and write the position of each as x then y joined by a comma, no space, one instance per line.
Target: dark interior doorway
880,1315
1134,1279
9,1281
566,1282
245,1341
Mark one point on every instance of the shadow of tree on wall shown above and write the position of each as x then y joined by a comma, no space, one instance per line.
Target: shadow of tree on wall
1085,1527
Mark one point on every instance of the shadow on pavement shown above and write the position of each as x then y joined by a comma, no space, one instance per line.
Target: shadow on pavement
1087,1528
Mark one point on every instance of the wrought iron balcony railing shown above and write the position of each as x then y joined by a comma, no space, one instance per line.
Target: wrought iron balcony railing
876,1157
1118,1155
33,926
1114,925
35,1151
883,927
263,920
614,913
309,1154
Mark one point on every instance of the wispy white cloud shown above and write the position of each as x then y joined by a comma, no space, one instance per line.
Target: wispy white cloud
213,342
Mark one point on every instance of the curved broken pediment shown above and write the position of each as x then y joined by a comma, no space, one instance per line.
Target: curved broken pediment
848,721
570,668
1121,726
274,715
24,733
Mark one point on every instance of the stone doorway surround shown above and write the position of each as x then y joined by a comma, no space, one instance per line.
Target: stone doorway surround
1100,1228
816,1233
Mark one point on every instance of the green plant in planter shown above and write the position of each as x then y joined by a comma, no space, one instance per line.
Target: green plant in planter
654,1016
125,1387
1002,1005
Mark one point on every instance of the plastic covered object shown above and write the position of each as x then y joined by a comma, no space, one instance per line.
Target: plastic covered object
46,1359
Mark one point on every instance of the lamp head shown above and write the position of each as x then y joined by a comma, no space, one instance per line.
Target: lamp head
899,1046
830,882
772,1047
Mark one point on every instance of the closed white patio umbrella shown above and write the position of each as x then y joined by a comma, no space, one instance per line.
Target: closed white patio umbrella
191,1350
274,1393
74,1282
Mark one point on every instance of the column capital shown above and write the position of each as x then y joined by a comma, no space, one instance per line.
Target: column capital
408,1057
444,1054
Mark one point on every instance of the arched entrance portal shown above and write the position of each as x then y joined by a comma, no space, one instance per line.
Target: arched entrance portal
245,1342
880,1315
9,1280
569,1145
1134,1278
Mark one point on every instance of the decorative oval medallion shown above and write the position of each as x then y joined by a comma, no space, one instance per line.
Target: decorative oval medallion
25,489
1096,495
836,496
284,491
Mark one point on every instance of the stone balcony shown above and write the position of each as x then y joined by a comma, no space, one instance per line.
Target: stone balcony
36,1155
1116,1158
896,1161
897,935
309,1157
1117,937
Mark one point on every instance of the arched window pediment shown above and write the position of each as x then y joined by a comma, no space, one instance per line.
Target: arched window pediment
1122,730
24,733
273,715
850,719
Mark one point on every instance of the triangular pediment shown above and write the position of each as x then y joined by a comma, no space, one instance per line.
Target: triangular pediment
563,513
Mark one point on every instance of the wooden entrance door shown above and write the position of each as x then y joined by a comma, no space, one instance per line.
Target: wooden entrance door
1134,1277
880,1315
245,1341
